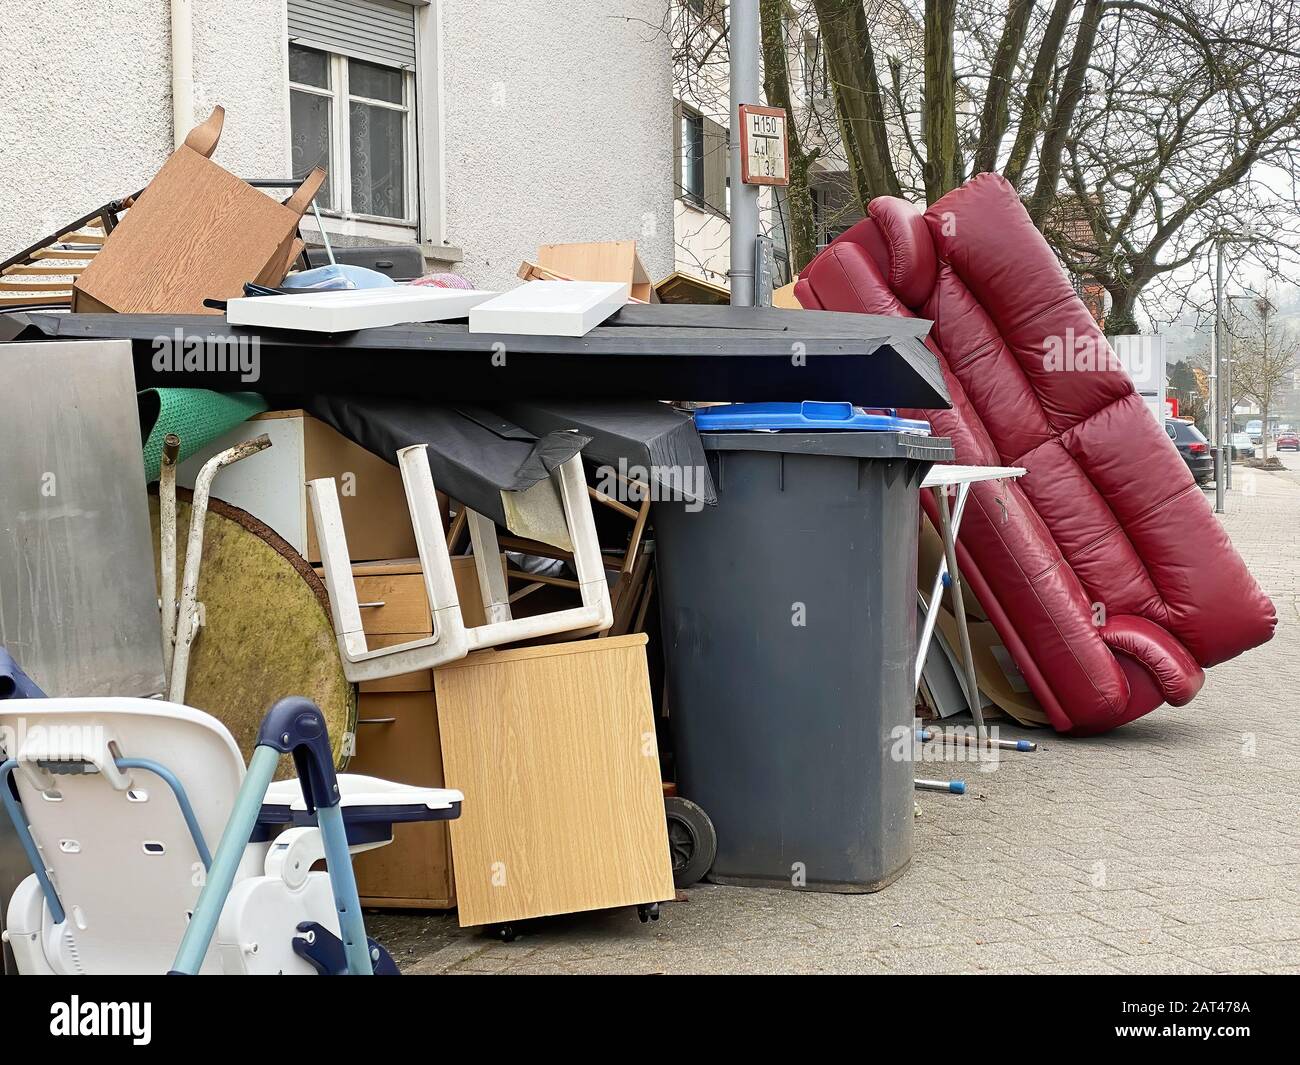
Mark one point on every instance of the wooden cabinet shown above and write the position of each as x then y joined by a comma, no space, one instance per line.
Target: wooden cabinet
273,489
554,748
397,733
397,739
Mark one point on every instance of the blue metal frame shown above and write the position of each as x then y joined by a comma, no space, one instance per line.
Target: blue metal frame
24,830
292,726
230,851
182,800
29,845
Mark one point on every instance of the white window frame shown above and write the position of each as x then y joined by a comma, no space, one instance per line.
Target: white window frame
340,162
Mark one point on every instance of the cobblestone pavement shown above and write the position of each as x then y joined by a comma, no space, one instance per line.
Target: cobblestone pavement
1170,845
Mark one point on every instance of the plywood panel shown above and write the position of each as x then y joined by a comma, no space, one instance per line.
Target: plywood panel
372,499
554,748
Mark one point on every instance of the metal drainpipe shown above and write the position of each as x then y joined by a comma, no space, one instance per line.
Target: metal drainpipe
182,70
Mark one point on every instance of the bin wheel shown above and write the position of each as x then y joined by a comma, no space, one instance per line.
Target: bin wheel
692,840
648,911
507,933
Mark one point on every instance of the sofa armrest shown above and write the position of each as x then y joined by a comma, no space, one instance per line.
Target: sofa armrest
1160,652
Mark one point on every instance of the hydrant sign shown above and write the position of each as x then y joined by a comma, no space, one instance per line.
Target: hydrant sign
763,159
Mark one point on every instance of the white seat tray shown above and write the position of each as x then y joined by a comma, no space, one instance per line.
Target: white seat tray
361,791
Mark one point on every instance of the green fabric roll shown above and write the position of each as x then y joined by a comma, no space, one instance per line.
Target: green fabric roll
197,415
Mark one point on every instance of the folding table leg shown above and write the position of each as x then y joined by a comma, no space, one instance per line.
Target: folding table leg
963,632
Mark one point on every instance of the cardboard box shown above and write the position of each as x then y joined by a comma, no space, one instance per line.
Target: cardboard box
607,260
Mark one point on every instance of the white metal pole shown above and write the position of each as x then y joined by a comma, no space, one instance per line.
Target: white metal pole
745,82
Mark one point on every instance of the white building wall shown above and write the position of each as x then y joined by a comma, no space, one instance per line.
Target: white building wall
556,119
85,100
703,243
557,127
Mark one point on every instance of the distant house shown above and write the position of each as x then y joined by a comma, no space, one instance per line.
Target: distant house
1070,225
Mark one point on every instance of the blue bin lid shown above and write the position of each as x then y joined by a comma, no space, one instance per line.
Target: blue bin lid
809,415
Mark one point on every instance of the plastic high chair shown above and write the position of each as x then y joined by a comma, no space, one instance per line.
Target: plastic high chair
116,801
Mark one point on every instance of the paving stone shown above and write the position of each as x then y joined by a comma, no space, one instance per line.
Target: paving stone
1074,949
1158,964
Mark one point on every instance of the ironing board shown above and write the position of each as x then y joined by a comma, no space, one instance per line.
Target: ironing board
943,480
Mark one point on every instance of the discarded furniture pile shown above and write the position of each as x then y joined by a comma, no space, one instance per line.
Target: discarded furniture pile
590,595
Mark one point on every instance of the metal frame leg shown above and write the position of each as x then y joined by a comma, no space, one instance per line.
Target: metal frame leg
230,852
949,531
343,882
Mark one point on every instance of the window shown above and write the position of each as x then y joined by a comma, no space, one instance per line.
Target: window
700,148
354,118
692,175
814,73
352,104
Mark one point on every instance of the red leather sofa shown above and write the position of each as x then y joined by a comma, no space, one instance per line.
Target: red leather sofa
1103,569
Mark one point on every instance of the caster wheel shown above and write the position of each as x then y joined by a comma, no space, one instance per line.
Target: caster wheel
507,933
692,840
648,911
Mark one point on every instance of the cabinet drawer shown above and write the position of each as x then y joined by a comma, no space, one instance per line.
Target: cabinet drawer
394,603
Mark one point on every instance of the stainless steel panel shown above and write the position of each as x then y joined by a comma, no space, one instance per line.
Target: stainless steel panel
78,600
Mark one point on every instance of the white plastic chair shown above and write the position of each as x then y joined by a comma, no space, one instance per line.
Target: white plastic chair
451,639
121,803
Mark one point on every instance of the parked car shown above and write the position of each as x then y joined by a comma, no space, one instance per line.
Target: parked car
1193,447
1255,429
1242,446
1288,442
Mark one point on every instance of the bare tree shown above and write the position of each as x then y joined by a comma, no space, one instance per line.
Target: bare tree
802,242
1266,361
1137,131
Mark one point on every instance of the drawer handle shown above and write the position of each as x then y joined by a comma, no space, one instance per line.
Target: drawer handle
376,720
371,606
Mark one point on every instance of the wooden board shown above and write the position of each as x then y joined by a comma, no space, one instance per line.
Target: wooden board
554,748
197,231
372,502
607,260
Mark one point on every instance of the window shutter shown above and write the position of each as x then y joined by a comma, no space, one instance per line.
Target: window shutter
715,165
382,31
